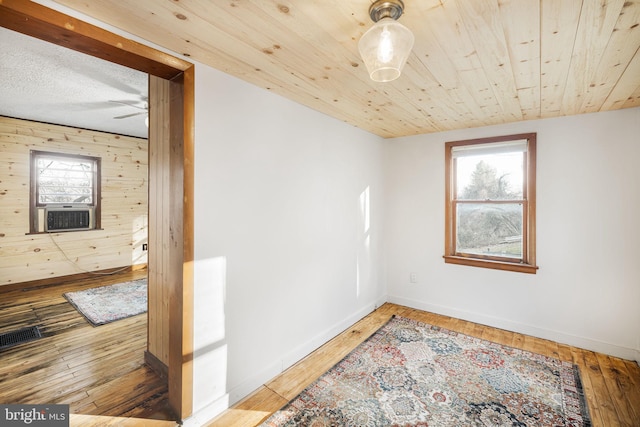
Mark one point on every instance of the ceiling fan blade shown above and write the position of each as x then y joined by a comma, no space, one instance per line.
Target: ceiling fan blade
130,104
110,81
84,106
129,115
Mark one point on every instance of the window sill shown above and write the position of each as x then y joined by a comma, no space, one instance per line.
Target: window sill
496,265
62,231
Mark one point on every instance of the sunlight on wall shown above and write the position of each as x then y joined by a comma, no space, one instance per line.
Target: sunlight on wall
363,264
210,346
139,236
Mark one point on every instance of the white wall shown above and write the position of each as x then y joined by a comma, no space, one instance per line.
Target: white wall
287,246
587,290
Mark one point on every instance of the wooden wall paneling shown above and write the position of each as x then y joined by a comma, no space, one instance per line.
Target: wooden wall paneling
57,281
38,21
159,196
187,100
181,240
28,257
152,264
169,260
152,275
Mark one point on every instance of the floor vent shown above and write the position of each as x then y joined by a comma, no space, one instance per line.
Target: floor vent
9,339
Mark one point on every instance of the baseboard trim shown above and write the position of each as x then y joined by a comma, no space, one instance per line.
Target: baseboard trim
207,413
523,328
58,280
156,364
239,392
290,358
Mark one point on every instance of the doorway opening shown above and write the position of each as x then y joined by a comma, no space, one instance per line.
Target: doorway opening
178,76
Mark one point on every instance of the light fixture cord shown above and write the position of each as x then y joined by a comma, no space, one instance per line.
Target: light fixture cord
75,264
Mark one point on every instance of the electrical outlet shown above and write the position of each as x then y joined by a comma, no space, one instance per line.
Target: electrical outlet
413,277
145,246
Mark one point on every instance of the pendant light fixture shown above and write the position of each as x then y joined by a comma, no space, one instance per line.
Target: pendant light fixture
385,47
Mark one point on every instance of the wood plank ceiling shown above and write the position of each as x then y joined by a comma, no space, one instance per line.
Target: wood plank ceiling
474,63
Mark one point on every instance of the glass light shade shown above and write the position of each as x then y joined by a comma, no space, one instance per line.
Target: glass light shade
385,49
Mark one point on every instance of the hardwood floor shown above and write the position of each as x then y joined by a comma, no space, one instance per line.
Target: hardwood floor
101,371
611,385
96,370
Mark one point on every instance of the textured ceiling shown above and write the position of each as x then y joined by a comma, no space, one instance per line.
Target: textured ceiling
44,82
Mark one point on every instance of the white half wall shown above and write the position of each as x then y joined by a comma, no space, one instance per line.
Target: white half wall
288,223
587,290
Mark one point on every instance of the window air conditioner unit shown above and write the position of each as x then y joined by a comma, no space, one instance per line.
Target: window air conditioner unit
68,218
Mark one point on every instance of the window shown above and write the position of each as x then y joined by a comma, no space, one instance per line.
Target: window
490,202
65,192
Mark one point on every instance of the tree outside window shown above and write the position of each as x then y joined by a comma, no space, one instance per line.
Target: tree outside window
490,206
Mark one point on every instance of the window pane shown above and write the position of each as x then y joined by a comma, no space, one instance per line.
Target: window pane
489,229
63,180
490,176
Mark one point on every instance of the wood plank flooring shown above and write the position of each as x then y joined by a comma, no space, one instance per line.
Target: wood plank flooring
611,385
96,370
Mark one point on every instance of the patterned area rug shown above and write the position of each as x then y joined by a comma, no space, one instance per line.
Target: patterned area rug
110,303
414,374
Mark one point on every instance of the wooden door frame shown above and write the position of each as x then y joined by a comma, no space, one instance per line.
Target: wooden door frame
47,24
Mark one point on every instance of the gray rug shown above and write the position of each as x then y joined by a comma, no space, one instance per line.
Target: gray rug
107,304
